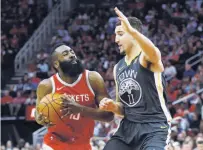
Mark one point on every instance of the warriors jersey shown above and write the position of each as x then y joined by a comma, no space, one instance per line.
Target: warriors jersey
142,92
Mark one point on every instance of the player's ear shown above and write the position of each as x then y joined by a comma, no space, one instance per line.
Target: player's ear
56,64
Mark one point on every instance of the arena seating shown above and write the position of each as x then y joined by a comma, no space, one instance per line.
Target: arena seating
174,27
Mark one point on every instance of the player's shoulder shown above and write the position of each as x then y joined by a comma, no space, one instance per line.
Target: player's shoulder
118,65
96,81
46,83
94,75
45,86
120,62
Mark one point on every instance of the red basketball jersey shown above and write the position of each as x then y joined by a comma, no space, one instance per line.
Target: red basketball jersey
75,128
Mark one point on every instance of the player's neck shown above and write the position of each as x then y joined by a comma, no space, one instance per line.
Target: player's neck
67,78
132,53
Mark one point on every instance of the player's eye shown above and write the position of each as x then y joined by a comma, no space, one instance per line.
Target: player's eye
71,51
120,34
65,54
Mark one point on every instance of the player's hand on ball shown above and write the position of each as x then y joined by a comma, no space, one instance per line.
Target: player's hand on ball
41,119
124,21
69,106
107,104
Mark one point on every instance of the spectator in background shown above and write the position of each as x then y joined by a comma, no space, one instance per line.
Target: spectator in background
12,91
3,147
176,146
195,121
42,56
14,41
19,86
188,143
189,72
16,104
9,145
43,69
14,30
31,73
199,142
25,78
31,99
38,146
64,34
170,70
28,87
21,143
27,146
35,81
109,73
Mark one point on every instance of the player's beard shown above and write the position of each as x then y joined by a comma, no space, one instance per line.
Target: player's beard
71,69
123,53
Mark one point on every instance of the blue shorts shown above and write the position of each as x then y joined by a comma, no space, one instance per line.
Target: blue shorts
140,136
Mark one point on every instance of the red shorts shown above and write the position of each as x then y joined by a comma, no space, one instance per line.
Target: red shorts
51,142
59,146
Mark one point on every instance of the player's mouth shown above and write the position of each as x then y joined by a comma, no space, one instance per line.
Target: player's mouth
74,61
120,46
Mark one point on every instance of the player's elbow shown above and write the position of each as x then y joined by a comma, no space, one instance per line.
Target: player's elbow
155,56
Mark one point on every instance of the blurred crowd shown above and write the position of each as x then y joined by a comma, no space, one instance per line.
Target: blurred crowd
21,145
174,27
19,19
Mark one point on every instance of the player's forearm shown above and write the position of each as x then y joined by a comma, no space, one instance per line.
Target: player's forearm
97,114
119,109
151,51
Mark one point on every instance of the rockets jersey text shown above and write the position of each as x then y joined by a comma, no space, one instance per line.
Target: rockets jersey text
75,128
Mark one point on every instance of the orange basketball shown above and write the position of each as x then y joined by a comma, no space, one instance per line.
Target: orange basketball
50,106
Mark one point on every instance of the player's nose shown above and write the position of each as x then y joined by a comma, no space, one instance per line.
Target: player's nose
72,57
116,40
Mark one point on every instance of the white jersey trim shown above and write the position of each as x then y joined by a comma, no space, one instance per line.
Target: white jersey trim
66,84
46,147
53,85
159,87
115,80
88,83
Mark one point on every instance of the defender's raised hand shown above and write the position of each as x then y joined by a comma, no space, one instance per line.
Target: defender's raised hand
124,21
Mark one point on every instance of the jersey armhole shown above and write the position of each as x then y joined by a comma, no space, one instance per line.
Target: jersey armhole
143,68
88,83
53,85
114,74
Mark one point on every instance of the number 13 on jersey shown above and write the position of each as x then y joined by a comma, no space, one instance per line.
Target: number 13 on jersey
75,116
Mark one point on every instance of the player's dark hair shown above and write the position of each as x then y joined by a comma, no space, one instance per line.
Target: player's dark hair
134,22
55,46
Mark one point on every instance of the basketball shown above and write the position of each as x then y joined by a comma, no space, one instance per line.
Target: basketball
50,106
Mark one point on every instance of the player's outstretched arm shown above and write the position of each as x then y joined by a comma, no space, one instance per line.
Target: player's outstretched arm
43,89
151,52
111,105
103,97
71,107
98,86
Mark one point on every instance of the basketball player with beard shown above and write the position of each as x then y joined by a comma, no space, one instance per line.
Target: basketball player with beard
83,91
141,93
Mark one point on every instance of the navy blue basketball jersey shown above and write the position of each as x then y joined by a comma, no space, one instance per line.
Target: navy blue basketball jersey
142,92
